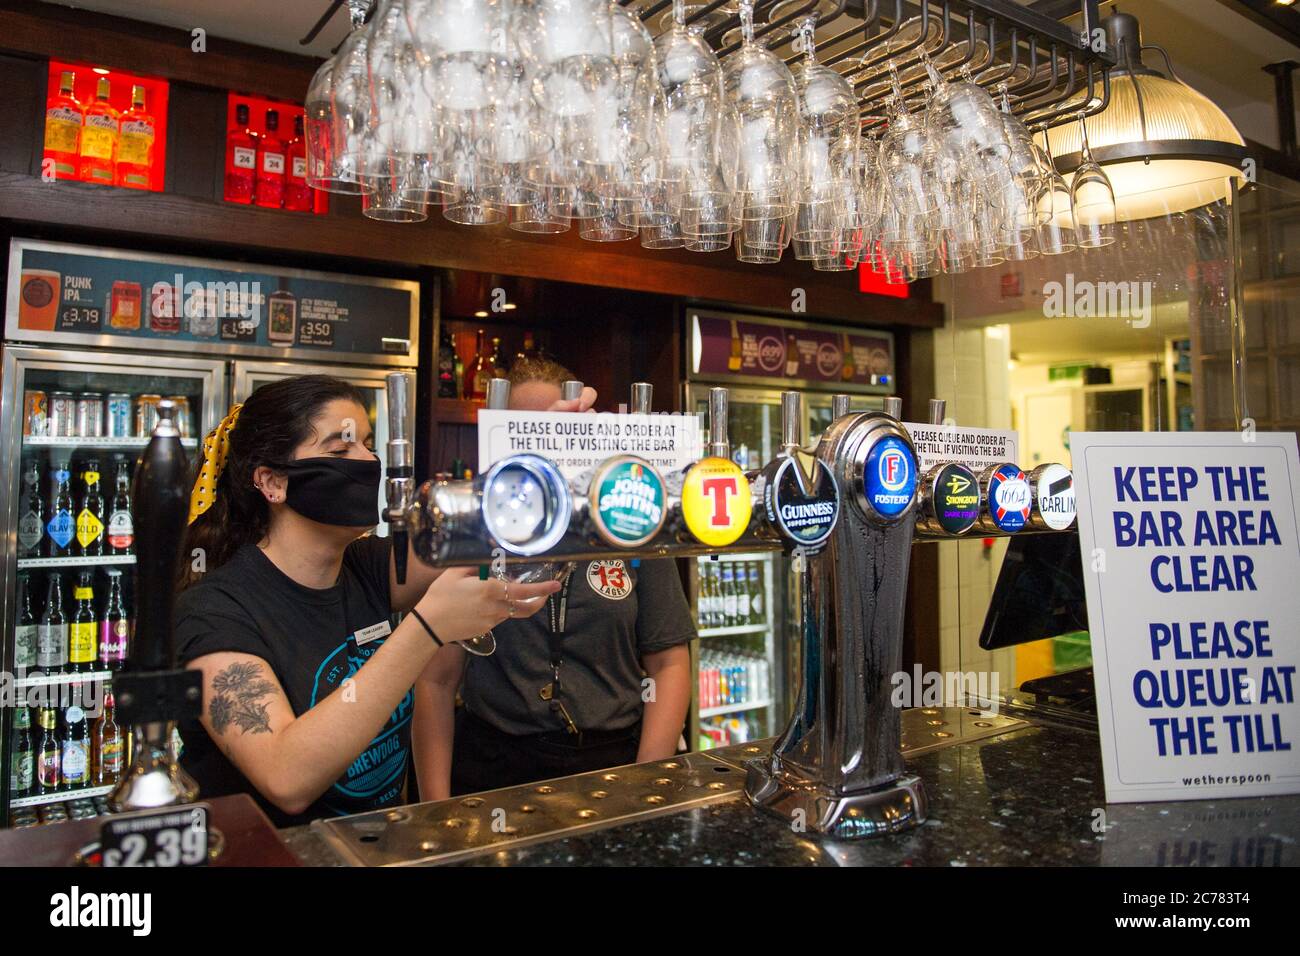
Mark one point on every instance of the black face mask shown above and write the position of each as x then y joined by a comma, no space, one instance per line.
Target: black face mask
337,491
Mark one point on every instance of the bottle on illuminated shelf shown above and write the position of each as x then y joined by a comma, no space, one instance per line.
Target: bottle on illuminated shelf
530,349
241,158
90,520
297,194
83,629
480,370
495,361
110,746
446,365
99,138
135,144
63,119
734,359
269,189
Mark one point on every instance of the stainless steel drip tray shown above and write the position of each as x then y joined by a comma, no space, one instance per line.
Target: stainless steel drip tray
449,830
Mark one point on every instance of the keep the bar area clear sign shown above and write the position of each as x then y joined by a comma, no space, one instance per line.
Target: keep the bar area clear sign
1191,558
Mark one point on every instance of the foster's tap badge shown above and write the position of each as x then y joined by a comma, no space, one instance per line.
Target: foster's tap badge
627,501
716,502
804,513
950,499
889,477
1006,491
1052,488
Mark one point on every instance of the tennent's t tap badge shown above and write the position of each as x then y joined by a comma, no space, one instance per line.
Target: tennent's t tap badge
716,502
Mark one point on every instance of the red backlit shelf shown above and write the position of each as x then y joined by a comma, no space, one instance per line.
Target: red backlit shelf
87,76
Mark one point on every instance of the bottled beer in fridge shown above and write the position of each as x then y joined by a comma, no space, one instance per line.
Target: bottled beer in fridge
22,764
62,526
26,628
758,611
114,626
74,765
48,752
52,633
90,521
31,520
110,746
728,595
83,630
121,529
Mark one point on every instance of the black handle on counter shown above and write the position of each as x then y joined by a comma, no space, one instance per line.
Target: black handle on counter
161,496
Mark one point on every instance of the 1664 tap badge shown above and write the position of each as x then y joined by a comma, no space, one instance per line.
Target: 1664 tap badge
627,501
716,502
1052,488
889,477
802,508
1008,497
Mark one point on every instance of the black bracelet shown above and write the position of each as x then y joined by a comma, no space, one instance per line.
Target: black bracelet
419,617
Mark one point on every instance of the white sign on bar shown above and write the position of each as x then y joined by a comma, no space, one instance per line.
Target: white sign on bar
973,447
1191,562
577,442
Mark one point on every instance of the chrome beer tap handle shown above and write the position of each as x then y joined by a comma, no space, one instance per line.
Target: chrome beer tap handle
719,444
498,394
400,478
642,395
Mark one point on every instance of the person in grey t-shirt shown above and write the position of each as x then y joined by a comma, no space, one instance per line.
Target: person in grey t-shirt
619,630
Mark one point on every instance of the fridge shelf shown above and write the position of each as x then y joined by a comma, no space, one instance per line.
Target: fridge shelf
60,795
729,631
733,708
75,562
45,441
50,680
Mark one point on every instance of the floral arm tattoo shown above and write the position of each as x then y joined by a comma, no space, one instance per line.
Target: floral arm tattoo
238,697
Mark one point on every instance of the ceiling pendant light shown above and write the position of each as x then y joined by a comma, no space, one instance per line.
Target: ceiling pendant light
1165,147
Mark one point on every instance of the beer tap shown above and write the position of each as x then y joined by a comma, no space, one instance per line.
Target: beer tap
894,407
837,768
642,393
719,445
153,694
840,405
401,471
498,394
801,500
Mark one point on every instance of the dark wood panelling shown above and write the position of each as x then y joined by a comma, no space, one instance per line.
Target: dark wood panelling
196,147
22,91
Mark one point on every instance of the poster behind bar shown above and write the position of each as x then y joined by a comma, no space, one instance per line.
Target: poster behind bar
779,353
69,294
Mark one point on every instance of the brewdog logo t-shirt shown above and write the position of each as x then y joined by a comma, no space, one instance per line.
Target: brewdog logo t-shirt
314,641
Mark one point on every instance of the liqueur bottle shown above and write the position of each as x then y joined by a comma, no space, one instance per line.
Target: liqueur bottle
99,136
241,158
135,144
63,120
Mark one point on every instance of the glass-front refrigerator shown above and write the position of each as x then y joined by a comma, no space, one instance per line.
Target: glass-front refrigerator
746,659
74,424
94,339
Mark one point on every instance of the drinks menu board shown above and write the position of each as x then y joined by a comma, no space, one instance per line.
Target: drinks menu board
771,351
60,293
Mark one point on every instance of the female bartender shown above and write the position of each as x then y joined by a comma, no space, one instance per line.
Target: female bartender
287,603
615,634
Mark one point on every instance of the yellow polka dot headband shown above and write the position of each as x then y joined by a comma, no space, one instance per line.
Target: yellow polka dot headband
215,449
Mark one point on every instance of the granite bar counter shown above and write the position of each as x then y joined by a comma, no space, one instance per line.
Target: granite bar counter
1026,792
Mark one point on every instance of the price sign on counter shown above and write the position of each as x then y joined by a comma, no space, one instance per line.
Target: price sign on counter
173,836
1191,557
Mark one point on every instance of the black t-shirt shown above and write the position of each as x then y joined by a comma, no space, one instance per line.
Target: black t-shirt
313,640
617,612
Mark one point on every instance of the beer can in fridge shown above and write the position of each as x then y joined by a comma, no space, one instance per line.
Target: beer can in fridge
118,420
90,415
182,404
62,422
146,414
36,412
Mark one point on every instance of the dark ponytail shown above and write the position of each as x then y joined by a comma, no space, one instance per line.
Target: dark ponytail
274,421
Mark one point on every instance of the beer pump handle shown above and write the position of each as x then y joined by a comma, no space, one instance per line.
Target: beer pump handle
161,495
570,390
840,406
642,395
894,406
937,409
719,444
401,470
498,394
791,421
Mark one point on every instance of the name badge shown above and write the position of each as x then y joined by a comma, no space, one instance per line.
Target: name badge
373,633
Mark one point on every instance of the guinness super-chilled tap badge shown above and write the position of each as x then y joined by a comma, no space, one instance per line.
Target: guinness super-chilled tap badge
804,508
627,501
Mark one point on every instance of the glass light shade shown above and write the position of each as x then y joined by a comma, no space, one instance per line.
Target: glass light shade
1193,147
